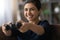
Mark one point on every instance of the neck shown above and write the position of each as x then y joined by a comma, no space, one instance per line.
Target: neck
34,21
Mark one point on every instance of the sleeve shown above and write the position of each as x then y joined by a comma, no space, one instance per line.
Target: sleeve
46,26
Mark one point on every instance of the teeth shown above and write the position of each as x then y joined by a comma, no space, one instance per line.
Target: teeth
30,16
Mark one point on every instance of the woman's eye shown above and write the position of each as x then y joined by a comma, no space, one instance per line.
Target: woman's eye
25,9
32,9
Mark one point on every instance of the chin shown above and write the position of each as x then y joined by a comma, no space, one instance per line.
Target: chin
30,19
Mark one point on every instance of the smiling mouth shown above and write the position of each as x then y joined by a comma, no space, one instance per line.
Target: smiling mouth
30,16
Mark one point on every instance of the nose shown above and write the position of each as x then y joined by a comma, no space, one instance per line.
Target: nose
29,12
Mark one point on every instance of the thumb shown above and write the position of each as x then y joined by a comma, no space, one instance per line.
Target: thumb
20,21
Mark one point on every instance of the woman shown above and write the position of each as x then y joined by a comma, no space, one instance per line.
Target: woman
34,29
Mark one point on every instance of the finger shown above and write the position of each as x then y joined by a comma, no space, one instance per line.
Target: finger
20,21
3,27
9,23
22,29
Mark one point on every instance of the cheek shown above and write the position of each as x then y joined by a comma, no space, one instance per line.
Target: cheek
25,14
36,13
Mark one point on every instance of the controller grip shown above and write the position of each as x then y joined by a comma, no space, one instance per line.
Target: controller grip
8,27
18,25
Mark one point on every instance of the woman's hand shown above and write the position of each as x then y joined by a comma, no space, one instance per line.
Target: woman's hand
33,27
6,32
25,27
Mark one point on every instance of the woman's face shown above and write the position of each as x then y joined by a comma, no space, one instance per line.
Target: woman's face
30,12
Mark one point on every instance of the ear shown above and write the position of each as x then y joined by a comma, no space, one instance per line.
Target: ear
40,10
40,14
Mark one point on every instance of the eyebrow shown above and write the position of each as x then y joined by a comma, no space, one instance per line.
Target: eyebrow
32,7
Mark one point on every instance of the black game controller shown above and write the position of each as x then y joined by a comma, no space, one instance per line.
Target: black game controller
17,25
7,27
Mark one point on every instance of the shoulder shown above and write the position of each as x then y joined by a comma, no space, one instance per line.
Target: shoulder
43,22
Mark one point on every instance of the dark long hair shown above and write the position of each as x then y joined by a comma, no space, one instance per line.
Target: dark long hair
37,3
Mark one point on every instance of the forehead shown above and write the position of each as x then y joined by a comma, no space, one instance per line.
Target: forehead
29,5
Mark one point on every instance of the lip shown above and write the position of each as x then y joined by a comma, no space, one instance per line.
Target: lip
30,16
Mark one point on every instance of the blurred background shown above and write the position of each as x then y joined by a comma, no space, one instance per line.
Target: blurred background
12,10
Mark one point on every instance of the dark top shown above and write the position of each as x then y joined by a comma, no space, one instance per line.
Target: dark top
30,35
